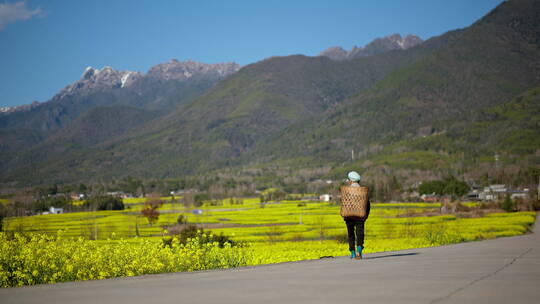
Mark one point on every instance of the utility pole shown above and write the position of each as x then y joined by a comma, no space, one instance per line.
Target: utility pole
538,190
95,224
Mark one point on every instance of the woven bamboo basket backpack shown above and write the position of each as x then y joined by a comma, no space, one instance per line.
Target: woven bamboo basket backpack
354,201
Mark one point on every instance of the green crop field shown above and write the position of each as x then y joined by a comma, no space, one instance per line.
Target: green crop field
269,233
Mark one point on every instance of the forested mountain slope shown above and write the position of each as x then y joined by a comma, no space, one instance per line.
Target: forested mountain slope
494,60
218,128
439,107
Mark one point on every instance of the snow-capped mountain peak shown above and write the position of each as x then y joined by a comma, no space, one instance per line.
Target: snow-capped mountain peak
124,78
27,107
94,79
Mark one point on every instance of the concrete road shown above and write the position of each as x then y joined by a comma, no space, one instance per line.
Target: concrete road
504,270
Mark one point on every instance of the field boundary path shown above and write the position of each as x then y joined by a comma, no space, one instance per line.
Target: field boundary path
505,270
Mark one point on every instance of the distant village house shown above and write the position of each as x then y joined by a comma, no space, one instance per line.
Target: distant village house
54,210
120,194
325,197
497,192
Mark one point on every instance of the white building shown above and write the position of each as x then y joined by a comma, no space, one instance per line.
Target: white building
53,210
499,192
325,197
493,192
474,195
522,194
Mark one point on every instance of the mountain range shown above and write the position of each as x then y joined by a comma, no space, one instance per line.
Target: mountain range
398,106
377,46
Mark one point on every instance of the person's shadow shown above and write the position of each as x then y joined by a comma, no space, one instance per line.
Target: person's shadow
377,257
391,255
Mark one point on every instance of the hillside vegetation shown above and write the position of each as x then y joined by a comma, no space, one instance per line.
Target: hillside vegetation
431,109
453,89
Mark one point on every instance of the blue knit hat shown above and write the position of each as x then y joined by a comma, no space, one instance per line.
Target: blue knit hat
354,176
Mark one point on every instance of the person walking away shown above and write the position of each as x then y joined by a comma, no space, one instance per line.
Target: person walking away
355,208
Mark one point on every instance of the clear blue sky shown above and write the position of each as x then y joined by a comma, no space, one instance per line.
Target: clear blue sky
45,45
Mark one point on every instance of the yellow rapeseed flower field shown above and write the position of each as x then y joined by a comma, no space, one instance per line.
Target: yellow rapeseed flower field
55,248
